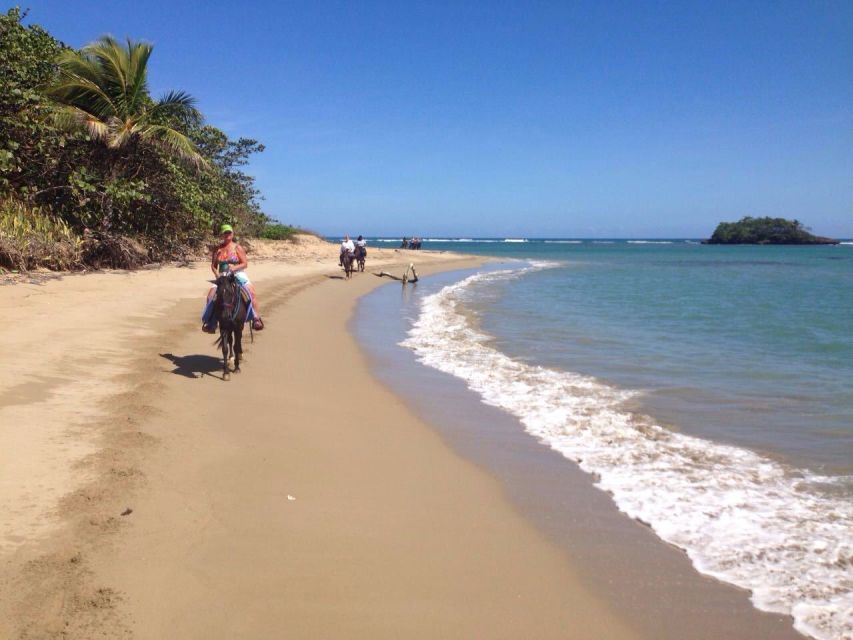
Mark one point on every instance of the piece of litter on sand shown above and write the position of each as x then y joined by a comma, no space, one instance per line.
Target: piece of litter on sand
290,497
127,512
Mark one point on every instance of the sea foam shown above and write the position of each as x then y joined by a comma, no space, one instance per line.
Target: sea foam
740,517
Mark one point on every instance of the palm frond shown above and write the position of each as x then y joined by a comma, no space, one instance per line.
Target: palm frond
112,59
177,98
137,73
174,142
71,118
82,85
83,96
76,63
175,103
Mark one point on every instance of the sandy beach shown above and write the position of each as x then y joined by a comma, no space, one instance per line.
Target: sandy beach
146,498
613,401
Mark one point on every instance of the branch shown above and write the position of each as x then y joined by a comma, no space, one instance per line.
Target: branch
62,186
406,278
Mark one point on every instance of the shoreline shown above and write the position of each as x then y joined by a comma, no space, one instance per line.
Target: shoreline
653,584
380,540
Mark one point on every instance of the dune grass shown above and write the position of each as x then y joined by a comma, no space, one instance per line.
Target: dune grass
30,238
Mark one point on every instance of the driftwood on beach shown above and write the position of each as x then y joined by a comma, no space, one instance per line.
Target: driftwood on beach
404,279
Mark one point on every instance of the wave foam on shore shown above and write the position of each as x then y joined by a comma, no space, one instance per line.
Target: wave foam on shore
741,517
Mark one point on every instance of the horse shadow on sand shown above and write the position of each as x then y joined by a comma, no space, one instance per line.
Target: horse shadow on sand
195,366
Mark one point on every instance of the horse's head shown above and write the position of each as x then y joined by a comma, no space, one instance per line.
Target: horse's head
227,295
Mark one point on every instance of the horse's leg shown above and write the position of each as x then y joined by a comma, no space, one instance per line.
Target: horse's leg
224,334
238,346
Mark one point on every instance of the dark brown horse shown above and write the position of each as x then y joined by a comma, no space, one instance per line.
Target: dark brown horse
360,257
230,309
347,262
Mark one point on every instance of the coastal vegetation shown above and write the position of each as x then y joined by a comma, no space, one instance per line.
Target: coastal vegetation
94,170
765,230
275,231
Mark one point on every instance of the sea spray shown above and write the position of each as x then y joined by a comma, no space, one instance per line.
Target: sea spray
740,517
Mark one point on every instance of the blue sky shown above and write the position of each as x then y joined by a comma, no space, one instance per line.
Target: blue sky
575,119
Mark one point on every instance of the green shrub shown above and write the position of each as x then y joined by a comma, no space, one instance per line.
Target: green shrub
279,231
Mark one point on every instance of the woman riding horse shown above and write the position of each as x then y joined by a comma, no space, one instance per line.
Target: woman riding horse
231,310
230,257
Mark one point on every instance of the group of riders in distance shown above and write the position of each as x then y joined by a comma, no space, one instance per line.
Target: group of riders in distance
411,243
353,255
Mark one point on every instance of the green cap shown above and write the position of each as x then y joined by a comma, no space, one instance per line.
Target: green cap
226,227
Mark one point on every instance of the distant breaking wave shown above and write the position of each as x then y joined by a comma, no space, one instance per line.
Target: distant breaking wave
741,517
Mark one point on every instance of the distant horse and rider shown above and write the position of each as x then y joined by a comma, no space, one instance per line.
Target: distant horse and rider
353,255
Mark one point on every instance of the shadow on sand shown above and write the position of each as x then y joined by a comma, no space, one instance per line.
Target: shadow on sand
195,366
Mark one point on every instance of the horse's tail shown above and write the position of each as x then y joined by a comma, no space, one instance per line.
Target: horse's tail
218,343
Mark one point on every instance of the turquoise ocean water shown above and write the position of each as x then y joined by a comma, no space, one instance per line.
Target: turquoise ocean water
708,388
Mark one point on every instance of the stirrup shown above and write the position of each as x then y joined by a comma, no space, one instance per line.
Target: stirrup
258,324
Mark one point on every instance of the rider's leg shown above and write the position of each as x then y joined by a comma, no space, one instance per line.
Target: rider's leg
244,281
252,293
208,322
257,323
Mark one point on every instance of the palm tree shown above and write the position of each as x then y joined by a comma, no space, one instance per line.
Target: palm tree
104,89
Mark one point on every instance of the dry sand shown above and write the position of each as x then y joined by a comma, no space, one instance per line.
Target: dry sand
299,500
